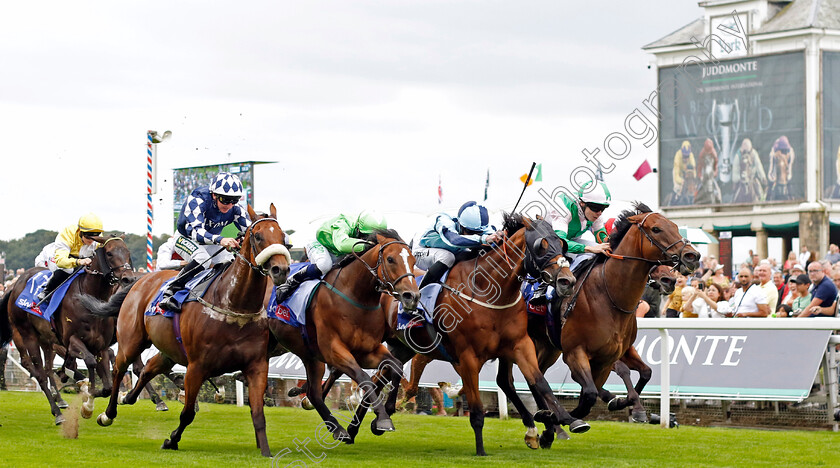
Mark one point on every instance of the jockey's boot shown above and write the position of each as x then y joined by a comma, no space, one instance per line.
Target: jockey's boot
433,274
540,292
286,289
58,277
168,302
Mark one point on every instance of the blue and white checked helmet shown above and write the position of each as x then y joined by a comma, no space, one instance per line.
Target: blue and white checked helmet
226,184
473,216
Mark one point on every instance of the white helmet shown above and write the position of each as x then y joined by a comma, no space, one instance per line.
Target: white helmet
226,184
598,194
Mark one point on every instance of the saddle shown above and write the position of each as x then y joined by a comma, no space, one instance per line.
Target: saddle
194,289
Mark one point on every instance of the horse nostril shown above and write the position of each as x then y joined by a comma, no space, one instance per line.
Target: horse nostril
564,282
275,270
409,296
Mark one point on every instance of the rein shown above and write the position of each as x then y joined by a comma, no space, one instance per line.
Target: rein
476,301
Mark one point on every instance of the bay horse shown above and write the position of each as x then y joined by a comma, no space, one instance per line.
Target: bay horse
601,327
481,316
74,332
225,331
346,325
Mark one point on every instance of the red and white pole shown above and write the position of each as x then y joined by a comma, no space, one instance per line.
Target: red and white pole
150,148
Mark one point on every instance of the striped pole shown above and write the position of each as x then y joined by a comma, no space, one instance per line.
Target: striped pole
149,207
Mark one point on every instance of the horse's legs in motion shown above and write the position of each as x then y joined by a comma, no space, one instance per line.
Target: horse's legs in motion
468,368
103,369
504,379
314,374
137,368
158,364
578,364
257,378
196,376
77,349
127,352
418,364
634,362
51,375
27,343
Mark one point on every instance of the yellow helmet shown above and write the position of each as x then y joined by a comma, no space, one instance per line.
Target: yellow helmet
90,223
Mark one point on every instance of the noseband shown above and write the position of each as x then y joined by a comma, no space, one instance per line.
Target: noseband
260,258
674,260
109,271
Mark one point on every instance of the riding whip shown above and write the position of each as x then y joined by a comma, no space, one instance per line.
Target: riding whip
527,182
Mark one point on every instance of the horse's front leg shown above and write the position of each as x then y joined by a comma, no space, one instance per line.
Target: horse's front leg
195,377
469,368
257,378
314,375
504,379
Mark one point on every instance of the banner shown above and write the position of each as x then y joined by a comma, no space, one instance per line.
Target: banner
187,179
831,125
730,131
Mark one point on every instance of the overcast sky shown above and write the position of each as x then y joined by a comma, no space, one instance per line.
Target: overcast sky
363,104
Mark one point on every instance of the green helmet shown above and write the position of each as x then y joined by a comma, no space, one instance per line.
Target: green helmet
369,221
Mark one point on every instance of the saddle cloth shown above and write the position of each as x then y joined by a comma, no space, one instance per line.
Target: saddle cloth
28,299
292,311
428,300
199,283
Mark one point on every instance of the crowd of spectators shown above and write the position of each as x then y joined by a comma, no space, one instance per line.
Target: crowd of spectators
801,287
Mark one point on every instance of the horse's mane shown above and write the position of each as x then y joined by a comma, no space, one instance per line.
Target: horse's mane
512,223
622,223
346,259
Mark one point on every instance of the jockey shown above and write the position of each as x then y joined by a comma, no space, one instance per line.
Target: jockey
72,248
340,235
435,251
205,213
584,214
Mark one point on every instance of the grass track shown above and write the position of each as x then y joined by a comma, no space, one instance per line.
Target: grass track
222,436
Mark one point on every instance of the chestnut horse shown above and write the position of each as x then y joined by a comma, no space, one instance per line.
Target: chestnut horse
346,325
601,327
225,331
482,316
76,333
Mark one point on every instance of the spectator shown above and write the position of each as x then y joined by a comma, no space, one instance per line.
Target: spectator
749,299
804,256
695,303
674,303
791,294
762,272
796,270
729,292
789,263
718,306
833,255
718,278
651,301
802,298
755,261
823,293
781,286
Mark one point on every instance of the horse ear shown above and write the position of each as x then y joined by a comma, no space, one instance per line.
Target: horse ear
540,246
565,245
273,211
526,221
251,213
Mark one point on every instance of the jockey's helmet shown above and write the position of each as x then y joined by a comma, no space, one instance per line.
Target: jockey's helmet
599,194
370,221
226,184
90,223
473,217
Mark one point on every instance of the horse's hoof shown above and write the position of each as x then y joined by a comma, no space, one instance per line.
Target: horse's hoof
532,438
375,430
219,397
561,434
306,404
579,427
103,420
384,425
615,404
295,392
161,407
59,420
639,417
546,439
544,417
169,445
62,404
86,410
341,435
84,385
121,398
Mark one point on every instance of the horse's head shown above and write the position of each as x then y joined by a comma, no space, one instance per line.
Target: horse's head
544,256
659,240
264,246
113,260
391,261
665,276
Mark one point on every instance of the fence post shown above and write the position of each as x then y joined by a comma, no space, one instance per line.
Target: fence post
665,379
240,394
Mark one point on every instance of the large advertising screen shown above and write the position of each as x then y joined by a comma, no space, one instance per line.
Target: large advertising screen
188,179
831,125
730,131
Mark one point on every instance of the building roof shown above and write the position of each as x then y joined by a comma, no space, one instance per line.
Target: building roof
785,16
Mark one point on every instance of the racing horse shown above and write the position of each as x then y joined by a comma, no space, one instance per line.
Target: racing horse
74,333
224,331
601,326
481,316
345,324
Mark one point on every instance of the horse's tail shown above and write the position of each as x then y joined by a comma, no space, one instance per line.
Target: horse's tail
111,308
5,324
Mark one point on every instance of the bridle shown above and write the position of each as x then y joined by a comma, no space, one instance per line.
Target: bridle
674,260
260,258
109,272
383,285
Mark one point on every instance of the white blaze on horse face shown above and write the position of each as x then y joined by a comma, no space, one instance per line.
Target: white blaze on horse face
404,255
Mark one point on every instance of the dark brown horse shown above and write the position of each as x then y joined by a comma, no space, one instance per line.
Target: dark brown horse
346,325
482,316
601,327
227,330
75,333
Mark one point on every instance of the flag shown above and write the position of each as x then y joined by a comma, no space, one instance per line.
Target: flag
487,184
536,178
440,191
643,170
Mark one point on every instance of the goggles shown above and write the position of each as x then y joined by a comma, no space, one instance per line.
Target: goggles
225,200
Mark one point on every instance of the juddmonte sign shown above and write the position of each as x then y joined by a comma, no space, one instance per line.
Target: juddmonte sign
757,364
